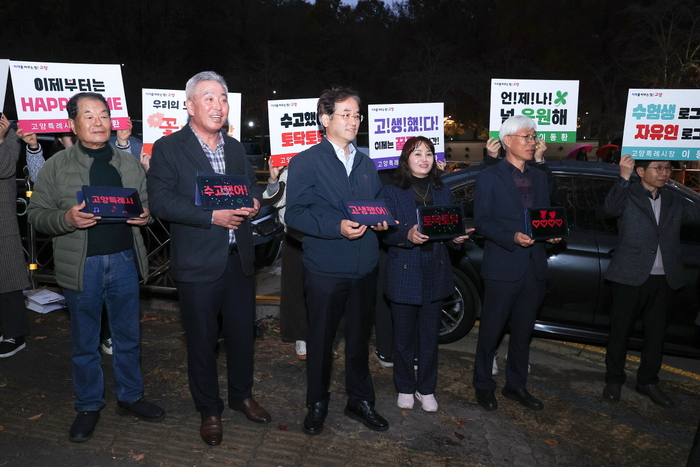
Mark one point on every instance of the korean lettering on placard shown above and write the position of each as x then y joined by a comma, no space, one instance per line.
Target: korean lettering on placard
659,112
366,210
112,200
544,115
402,125
440,219
225,190
302,136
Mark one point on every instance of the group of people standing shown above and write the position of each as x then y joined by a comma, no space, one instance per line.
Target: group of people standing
99,264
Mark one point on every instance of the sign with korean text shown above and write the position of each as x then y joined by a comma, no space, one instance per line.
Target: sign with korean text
391,125
293,128
4,69
552,104
42,90
662,124
164,112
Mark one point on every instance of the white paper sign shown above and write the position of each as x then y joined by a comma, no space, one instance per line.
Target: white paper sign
4,69
293,128
552,104
390,125
662,124
42,90
164,112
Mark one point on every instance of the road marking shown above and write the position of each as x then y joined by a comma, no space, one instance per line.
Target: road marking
630,358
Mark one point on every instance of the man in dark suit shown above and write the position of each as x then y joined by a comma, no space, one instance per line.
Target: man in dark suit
645,270
515,266
211,253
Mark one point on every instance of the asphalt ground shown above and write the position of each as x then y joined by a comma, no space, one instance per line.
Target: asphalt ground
576,428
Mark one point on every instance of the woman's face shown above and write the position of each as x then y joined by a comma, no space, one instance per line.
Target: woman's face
421,161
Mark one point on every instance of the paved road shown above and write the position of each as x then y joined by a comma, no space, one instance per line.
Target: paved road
575,429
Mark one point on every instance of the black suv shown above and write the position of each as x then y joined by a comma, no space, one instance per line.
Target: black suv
577,303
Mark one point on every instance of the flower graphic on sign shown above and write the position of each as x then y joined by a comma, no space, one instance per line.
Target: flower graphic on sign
155,120
561,98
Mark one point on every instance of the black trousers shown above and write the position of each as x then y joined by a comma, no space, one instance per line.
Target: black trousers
383,321
519,300
13,315
327,299
232,296
650,300
294,319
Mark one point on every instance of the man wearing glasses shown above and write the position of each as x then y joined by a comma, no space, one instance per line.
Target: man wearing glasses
514,266
645,270
340,258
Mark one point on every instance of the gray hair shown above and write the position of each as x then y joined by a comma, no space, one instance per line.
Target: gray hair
515,124
203,76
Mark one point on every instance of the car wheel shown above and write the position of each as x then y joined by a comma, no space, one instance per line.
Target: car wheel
459,310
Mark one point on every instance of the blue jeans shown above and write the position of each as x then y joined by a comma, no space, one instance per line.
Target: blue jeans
109,280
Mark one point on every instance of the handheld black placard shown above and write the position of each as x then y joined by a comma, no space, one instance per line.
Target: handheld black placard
366,211
111,202
441,222
546,223
220,191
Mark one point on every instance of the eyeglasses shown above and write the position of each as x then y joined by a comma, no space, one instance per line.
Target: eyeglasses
662,169
358,117
528,138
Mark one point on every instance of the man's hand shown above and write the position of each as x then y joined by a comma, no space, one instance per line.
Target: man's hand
540,148
352,230
4,128
80,220
383,226
493,146
123,135
523,240
626,166
29,138
145,160
141,220
554,241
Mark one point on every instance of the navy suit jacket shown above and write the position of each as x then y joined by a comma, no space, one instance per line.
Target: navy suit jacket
498,214
199,250
404,271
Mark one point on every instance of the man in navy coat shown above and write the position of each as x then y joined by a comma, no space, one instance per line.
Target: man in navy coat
515,266
211,252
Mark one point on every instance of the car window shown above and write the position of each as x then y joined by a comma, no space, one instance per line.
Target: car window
464,195
583,198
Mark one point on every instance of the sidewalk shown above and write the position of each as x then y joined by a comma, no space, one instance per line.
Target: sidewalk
575,429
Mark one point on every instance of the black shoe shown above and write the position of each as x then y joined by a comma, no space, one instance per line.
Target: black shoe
386,362
486,399
655,394
313,423
141,409
524,397
364,412
83,426
611,392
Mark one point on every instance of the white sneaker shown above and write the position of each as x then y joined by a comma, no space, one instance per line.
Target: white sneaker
494,367
427,401
106,346
405,401
300,348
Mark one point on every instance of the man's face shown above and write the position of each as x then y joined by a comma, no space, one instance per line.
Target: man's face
208,108
655,176
343,130
92,124
521,145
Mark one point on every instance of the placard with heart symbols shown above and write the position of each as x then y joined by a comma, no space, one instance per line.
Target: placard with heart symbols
544,223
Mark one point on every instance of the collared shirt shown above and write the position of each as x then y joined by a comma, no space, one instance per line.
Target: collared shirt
658,268
347,161
523,182
217,159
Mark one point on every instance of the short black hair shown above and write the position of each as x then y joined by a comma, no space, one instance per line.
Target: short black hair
72,105
327,101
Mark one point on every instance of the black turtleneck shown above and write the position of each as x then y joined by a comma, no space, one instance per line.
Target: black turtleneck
106,238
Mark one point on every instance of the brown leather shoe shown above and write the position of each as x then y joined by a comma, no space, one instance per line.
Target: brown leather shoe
211,430
252,410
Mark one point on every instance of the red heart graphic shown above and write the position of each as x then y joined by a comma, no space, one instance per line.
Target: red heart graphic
543,214
559,222
550,222
552,214
536,223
